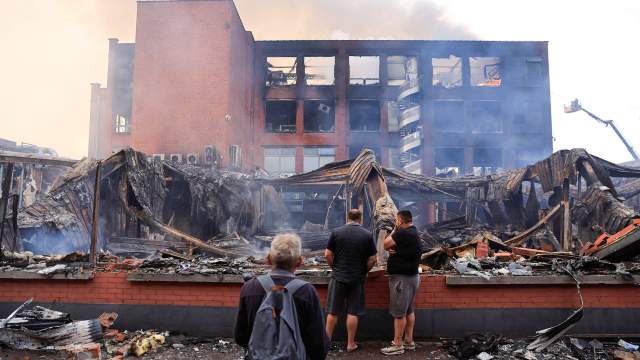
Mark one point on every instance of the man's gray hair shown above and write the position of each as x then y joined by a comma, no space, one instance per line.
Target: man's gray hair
285,250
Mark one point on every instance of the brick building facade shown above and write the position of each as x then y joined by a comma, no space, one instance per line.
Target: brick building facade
196,87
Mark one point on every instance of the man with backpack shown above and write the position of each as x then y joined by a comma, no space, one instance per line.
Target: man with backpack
279,316
351,253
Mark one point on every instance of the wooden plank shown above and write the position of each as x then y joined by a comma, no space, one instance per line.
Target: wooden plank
525,234
566,218
460,280
4,200
27,275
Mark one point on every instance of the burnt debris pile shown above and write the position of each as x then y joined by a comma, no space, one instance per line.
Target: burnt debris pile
39,328
178,215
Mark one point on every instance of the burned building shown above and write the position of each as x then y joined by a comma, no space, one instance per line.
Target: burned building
222,98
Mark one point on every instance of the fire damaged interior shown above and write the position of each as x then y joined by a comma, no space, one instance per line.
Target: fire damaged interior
566,203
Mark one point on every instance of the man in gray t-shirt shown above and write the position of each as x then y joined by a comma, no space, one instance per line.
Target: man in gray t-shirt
351,253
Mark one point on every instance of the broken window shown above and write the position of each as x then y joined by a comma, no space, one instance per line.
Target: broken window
281,116
485,71
364,70
533,68
317,157
319,116
449,161
485,117
364,115
121,124
281,71
280,160
528,117
448,115
319,70
487,161
447,72
401,69
354,151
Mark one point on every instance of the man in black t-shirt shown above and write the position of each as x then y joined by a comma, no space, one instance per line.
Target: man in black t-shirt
351,253
404,259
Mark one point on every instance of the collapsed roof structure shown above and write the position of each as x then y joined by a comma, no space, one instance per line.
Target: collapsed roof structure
147,205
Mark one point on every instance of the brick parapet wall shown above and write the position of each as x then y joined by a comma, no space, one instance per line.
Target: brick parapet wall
114,288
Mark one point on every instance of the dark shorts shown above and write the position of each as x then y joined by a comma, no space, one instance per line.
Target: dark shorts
349,294
402,294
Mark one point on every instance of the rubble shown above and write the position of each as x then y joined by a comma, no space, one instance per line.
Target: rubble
169,201
499,348
69,264
561,215
43,329
202,265
150,206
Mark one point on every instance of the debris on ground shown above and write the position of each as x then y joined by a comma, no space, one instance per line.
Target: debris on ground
43,329
486,346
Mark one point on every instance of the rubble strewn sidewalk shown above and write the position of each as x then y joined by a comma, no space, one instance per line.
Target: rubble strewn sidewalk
475,347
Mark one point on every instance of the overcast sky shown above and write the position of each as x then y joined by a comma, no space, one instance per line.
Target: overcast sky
53,49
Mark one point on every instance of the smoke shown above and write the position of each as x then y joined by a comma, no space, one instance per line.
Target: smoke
354,19
52,51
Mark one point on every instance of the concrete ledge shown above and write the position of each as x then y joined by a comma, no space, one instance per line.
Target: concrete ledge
197,278
213,278
461,280
27,275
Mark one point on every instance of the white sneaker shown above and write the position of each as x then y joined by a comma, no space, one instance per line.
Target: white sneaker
410,346
393,349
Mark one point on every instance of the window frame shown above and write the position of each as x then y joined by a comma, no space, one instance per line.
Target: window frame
333,70
352,82
319,157
280,157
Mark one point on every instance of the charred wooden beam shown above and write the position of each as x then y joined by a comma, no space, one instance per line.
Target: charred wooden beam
142,216
4,200
95,215
525,234
565,240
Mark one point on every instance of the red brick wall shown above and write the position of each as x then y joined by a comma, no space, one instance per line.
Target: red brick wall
240,88
113,288
182,76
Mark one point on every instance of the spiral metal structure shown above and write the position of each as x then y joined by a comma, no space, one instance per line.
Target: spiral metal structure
409,119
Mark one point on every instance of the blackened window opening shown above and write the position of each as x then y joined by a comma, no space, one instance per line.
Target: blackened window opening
485,117
319,116
448,116
364,115
281,116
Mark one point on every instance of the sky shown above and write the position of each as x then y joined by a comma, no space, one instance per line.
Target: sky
53,49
